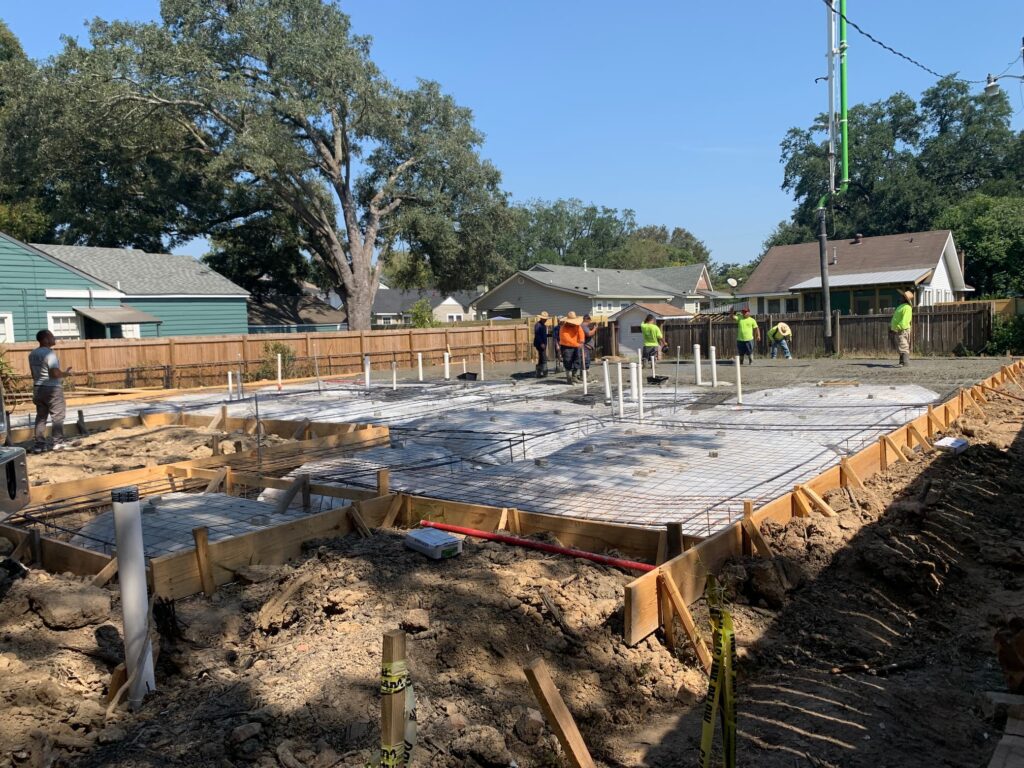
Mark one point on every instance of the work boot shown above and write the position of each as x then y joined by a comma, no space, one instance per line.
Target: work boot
904,359
539,371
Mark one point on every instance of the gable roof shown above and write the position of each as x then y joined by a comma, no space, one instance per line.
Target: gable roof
390,301
35,250
619,283
657,309
137,273
786,266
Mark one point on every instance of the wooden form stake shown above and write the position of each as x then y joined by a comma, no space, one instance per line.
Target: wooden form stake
818,502
969,399
392,705
201,537
848,478
883,458
675,540
355,515
383,481
915,433
392,514
300,483
753,533
107,572
800,506
557,714
686,619
888,441
300,430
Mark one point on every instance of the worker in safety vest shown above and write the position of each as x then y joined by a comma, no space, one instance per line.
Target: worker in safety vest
570,339
899,327
747,331
779,336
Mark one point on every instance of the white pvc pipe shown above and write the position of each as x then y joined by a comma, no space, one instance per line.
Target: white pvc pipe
632,382
131,574
394,376
366,371
696,364
231,387
447,366
463,365
640,395
583,371
618,375
714,367
739,383
279,372
607,383
481,366
654,369
419,365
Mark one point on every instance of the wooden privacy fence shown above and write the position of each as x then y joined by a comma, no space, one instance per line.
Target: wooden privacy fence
942,330
186,361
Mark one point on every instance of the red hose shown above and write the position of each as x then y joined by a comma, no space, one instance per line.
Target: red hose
531,544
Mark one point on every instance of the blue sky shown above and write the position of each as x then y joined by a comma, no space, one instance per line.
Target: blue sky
672,109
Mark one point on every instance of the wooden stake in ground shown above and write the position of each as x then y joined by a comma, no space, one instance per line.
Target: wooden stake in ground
557,714
201,537
847,477
818,502
753,532
394,679
686,618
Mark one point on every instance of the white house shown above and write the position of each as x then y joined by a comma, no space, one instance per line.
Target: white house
866,274
627,323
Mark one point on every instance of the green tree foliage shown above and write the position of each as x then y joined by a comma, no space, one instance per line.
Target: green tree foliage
912,166
422,314
262,253
282,98
991,231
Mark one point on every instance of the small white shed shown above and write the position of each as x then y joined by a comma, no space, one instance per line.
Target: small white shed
627,323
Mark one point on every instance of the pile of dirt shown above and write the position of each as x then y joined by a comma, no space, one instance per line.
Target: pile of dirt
871,637
119,450
282,668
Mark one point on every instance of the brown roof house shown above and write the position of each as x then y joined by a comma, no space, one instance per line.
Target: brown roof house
866,274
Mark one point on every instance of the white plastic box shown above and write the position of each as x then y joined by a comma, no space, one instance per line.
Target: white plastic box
433,543
952,444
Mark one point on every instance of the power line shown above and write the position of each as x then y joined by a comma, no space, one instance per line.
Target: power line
889,48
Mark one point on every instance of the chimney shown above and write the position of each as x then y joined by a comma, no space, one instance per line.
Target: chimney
858,238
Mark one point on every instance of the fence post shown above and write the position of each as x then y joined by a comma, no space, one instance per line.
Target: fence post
836,337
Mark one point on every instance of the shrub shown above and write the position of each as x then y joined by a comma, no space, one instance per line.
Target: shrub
268,363
1007,337
422,314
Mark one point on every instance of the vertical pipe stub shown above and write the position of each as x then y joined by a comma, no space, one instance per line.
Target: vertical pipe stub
125,495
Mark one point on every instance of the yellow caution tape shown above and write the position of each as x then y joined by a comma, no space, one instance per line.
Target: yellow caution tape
721,698
394,677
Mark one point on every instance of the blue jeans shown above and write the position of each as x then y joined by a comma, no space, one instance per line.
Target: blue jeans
781,344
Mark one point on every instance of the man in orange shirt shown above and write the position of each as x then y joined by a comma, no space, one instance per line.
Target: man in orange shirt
571,339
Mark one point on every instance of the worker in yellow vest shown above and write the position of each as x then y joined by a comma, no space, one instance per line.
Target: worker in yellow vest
779,336
747,332
899,327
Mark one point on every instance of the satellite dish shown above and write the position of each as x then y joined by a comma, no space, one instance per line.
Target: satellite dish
732,282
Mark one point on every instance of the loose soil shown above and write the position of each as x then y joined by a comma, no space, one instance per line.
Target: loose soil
867,641
119,450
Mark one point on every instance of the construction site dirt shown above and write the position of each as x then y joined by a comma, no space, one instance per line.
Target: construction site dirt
867,641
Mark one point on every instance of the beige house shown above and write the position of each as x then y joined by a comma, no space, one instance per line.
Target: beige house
394,307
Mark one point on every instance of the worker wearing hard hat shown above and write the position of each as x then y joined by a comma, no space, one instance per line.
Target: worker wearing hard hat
899,327
779,336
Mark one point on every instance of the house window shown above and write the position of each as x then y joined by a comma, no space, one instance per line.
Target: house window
6,328
623,304
774,306
812,302
792,305
454,318
130,331
635,329
385,321
63,325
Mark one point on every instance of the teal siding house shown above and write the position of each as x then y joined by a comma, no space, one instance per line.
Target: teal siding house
95,293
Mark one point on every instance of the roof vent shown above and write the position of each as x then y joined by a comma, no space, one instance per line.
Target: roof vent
858,239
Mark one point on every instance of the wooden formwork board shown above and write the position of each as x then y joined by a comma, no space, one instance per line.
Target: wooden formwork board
59,556
178,574
689,570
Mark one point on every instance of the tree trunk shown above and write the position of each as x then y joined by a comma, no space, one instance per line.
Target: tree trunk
358,308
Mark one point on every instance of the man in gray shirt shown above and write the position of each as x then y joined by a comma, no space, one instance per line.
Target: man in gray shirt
47,391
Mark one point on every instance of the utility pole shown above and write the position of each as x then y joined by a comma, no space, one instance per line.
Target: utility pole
844,147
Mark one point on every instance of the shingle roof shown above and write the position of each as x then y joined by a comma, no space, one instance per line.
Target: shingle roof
619,283
391,301
787,265
303,309
658,309
138,273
